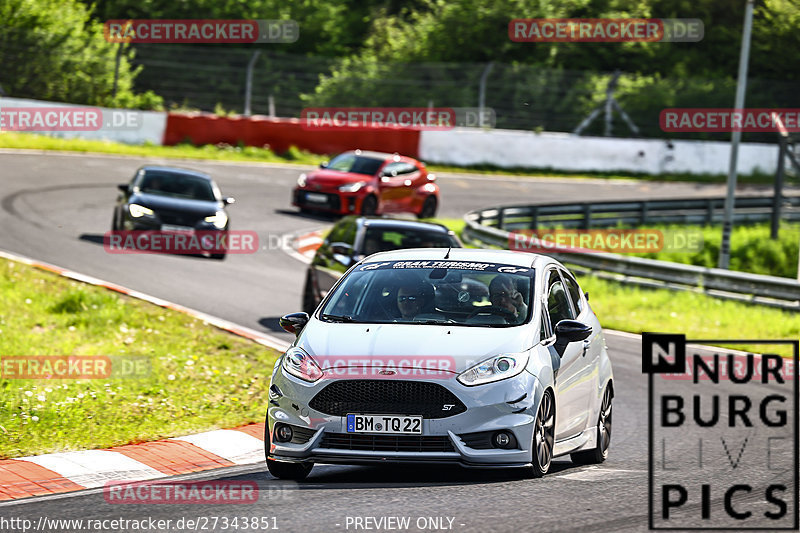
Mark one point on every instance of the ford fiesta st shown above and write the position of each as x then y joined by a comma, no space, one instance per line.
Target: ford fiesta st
475,357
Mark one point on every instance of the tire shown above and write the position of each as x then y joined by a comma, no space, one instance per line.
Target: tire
600,453
309,302
218,257
293,471
543,437
369,205
428,208
114,226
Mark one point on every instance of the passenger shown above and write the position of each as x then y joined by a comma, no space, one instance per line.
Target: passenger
504,295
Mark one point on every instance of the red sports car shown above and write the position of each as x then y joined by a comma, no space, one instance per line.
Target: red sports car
368,183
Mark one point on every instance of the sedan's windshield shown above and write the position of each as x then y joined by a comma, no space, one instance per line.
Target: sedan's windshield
177,186
433,292
355,164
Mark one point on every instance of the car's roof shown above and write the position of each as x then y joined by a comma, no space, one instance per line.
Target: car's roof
505,257
401,223
376,155
175,170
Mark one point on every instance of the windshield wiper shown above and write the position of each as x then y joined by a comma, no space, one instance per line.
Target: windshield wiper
337,318
434,322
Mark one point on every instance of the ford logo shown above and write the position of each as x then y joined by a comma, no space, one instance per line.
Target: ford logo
387,372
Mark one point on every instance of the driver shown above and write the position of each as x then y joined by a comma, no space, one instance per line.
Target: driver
411,299
504,295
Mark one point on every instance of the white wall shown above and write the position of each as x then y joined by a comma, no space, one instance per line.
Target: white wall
149,126
562,151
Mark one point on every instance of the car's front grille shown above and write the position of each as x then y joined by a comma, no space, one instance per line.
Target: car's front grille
388,397
332,201
387,443
178,218
301,435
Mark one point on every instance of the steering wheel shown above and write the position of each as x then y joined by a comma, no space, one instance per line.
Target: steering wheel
494,310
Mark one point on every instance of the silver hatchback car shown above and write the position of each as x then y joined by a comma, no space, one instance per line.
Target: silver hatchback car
475,357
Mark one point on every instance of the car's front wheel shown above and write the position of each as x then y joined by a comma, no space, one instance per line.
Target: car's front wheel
294,471
600,452
543,436
369,206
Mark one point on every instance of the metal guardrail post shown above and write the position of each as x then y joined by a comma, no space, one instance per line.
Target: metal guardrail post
777,197
535,218
500,217
587,216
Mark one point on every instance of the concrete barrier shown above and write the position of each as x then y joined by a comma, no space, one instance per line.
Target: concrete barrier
281,133
128,126
562,151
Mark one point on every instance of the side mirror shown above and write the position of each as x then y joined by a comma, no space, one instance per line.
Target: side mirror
294,322
229,200
568,331
341,248
324,164
123,187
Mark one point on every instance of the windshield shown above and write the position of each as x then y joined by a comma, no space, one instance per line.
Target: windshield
177,186
384,239
355,164
433,292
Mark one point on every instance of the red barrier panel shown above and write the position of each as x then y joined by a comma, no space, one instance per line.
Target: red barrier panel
281,133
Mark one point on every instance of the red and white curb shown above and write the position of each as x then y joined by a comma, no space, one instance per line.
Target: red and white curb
304,245
69,471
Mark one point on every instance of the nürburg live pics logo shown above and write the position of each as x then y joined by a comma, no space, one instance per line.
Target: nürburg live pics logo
723,433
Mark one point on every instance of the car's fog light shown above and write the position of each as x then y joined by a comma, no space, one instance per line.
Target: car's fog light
503,439
283,433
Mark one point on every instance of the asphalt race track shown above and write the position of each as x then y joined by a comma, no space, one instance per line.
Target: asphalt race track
56,207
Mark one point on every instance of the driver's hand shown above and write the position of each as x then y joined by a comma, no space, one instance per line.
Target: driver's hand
517,300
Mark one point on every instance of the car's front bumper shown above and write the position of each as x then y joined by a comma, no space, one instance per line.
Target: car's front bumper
507,405
341,203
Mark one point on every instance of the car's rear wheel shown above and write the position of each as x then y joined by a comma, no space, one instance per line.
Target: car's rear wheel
309,301
543,436
294,471
428,208
219,257
114,226
600,452
369,206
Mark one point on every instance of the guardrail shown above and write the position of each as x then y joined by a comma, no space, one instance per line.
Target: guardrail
490,226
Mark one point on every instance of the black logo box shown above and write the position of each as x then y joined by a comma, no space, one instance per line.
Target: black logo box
672,359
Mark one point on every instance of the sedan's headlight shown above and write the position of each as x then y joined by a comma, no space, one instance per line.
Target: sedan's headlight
139,210
352,187
301,365
499,367
220,219
301,181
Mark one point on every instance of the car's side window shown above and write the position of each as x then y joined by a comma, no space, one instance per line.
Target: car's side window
558,306
574,292
392,169
405,168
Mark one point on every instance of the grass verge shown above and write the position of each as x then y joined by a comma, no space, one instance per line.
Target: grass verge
224,152
199,378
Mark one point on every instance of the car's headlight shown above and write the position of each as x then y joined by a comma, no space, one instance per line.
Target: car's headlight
494,369
301,181
139,210
352,187
219,219
301,365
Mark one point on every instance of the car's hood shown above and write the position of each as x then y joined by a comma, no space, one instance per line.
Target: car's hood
156,202
330,178
455,348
